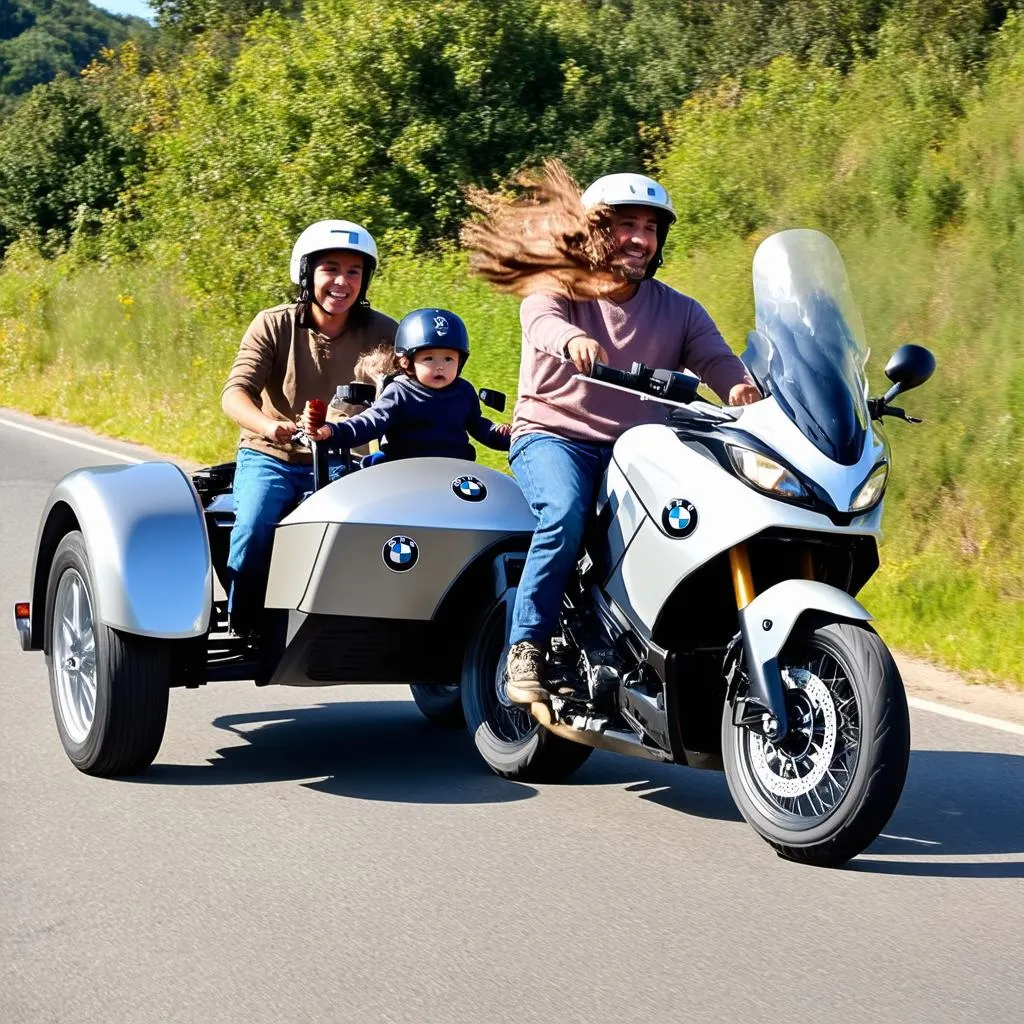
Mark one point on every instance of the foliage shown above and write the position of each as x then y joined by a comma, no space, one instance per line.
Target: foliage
41,39
59,165
423,100
194,17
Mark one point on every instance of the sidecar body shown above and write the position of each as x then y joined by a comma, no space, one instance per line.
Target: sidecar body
374,578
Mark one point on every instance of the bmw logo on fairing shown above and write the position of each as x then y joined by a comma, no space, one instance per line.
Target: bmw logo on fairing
400,553
469,488
679,518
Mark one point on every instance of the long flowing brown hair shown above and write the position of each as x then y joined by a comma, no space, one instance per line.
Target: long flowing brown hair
537,237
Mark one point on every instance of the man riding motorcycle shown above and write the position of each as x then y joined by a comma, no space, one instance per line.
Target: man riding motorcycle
563,429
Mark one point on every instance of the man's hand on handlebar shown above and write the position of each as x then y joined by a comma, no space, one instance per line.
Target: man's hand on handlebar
278,431
744,394
584,352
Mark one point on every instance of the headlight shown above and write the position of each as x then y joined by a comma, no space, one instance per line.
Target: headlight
765,474
871,491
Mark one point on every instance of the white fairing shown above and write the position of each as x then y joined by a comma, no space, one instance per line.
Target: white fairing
767,422
660,469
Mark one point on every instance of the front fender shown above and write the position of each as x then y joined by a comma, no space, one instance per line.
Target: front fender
766,624
147,545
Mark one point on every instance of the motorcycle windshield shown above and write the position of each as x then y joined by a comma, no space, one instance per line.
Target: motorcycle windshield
809,348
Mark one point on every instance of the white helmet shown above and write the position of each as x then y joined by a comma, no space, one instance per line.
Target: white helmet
334,234
629,190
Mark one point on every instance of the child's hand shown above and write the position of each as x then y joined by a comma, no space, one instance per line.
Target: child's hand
503,429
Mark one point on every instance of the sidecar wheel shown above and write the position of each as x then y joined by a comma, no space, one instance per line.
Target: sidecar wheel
109,689
512,743
440,703
823,794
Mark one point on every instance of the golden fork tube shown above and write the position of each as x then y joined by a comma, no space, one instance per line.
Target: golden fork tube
742,577
807,564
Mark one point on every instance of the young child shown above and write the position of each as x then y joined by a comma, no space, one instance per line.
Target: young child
427,408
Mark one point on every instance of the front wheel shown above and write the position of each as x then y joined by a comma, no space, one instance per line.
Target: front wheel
512,743
824,792
109,689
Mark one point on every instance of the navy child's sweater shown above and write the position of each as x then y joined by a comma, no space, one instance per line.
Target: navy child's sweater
416,420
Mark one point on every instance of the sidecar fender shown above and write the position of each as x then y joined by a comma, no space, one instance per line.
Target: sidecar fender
147,545
766,624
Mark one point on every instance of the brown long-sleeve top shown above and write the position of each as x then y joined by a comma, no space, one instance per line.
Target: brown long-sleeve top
281,366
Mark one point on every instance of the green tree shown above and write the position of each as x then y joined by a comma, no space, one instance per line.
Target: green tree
59,166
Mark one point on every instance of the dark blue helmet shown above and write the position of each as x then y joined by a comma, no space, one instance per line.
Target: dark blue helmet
432,328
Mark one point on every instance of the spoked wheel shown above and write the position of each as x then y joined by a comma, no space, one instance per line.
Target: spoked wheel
512,743
824,792
440,703
109,689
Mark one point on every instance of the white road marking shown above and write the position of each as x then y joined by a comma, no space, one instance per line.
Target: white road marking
71,441
909,839
965,716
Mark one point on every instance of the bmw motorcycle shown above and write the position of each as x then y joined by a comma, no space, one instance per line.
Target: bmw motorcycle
712,620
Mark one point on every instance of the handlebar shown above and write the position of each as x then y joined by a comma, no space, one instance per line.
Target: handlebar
669,385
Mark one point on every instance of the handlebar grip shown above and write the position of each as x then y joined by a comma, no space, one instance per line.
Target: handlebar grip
604,372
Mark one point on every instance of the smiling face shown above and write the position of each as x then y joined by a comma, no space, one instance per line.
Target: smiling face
436,367
635,233
337,278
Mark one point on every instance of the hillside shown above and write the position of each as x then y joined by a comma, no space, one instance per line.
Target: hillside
40,39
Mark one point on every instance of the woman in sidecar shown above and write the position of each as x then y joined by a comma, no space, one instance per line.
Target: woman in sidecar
289,355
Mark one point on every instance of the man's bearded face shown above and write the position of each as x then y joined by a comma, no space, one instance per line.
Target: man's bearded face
635,233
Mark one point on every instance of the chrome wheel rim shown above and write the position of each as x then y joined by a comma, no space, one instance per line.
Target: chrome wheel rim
803,778
74,655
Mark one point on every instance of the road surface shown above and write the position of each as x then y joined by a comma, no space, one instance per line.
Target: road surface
327,855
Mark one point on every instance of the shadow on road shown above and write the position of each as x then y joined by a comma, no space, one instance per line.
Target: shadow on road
369,750
955,804
374,750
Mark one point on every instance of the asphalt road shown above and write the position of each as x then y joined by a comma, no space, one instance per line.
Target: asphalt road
327,855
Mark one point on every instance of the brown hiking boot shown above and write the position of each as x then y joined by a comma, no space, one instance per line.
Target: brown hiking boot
525,674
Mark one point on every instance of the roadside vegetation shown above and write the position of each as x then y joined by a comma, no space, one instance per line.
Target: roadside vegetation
134,259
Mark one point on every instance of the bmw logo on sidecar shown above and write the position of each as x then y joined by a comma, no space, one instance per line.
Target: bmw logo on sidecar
679,518
400,553
469,488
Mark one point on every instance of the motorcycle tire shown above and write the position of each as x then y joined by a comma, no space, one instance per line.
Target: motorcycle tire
439,703
514,745
109,689
824,793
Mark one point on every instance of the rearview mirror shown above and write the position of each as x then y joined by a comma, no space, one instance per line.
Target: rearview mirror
909,367
493,399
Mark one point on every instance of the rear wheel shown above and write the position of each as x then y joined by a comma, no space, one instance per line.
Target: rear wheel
512,743
824,792
109,689
440,703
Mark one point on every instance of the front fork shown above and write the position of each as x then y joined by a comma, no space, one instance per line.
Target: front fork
763,707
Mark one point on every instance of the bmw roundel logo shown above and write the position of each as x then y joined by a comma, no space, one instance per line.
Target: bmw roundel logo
400,553
469,488
679,518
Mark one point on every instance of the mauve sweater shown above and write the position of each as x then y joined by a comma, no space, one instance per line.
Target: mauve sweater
658,326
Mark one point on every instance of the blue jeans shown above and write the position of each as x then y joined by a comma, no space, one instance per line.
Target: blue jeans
266,490
559,478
